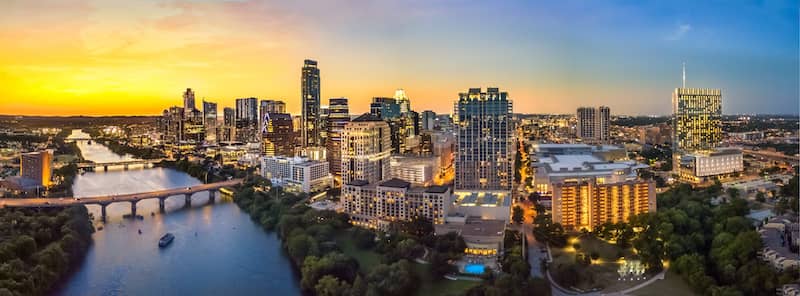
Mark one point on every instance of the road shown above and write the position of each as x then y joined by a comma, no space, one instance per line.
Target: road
106,199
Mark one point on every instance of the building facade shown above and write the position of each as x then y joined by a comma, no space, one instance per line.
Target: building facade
484,145
297,174
188,100
366,147
210,122
587,204
416,170
247,120
593,124
38,167
277,135
697,123
337,120
310,101
377,205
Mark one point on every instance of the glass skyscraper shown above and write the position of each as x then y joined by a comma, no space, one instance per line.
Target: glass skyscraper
485,143
310,91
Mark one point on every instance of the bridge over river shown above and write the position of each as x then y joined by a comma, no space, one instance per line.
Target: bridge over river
123,163
106,200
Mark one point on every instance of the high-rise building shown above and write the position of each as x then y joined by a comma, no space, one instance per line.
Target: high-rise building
402,100
38,167
172,121
385,108
428,119
310,91
698,119
193,127
277,135
366,147
324,112
593,124
337,119
271,106
247,120
228,131
188,100
210,121
484,146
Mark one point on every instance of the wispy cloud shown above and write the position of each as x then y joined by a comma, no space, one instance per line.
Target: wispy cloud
679,32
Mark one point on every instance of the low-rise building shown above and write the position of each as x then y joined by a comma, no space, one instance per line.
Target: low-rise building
487,205
297,174
483,237
377,205
704,166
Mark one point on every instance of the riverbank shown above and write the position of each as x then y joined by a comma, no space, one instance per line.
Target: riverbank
40,247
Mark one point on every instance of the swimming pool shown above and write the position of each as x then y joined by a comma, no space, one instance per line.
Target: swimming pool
474,268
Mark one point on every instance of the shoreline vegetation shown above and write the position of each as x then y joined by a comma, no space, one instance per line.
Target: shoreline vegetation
39,248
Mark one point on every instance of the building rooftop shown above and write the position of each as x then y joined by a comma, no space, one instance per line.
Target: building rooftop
395,183
367,117
482,198
437,189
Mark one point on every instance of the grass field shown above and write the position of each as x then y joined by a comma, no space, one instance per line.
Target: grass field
428,285
671,285
601,274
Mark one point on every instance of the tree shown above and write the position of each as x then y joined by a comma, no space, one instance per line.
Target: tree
418,227
760,197
300,246
331,286
518,214
733,192
391,280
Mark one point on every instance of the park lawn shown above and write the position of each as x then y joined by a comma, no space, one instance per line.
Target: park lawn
603,274
367,259
607,251
672,284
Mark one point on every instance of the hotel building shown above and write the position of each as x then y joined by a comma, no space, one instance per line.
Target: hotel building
590,185
366,147
376,205
38,167
297,174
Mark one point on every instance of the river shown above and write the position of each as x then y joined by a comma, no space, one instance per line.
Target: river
218,250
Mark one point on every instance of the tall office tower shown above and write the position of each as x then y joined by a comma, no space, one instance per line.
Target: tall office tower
366,147
172,124
402,100
247,120
228,131
485,153
428,119
324,112
310,91
37,166
210,121
337,119
698,119
271,106
277,135
193,128
593,124
188,100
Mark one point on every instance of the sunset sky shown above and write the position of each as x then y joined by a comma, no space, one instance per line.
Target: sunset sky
103,57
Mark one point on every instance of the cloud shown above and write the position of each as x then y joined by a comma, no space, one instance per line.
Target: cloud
679,32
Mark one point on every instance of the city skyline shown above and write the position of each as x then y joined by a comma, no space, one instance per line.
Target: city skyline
119,59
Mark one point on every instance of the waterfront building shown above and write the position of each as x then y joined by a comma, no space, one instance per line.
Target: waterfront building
188,100
376,205
210,122
593,124
277,135
366,147
38,167
337,120
484,146
310,103
297,174
418,170
247,120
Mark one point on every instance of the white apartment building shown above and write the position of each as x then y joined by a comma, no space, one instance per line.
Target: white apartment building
377,205
297,174
416,170
366,147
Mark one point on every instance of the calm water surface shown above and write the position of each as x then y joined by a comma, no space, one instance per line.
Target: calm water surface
217,249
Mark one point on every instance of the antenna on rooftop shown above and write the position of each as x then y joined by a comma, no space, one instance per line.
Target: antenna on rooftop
684,75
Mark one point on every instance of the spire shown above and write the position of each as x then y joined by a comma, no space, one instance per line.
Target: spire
684,75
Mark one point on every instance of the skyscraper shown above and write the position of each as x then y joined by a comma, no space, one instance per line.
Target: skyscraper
210,121
698,119
402,99
310,91
277,135
428,119
593,124
366,147
324,112
385,108
247,120
188,100
485,154
337,119
228,131
37,166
